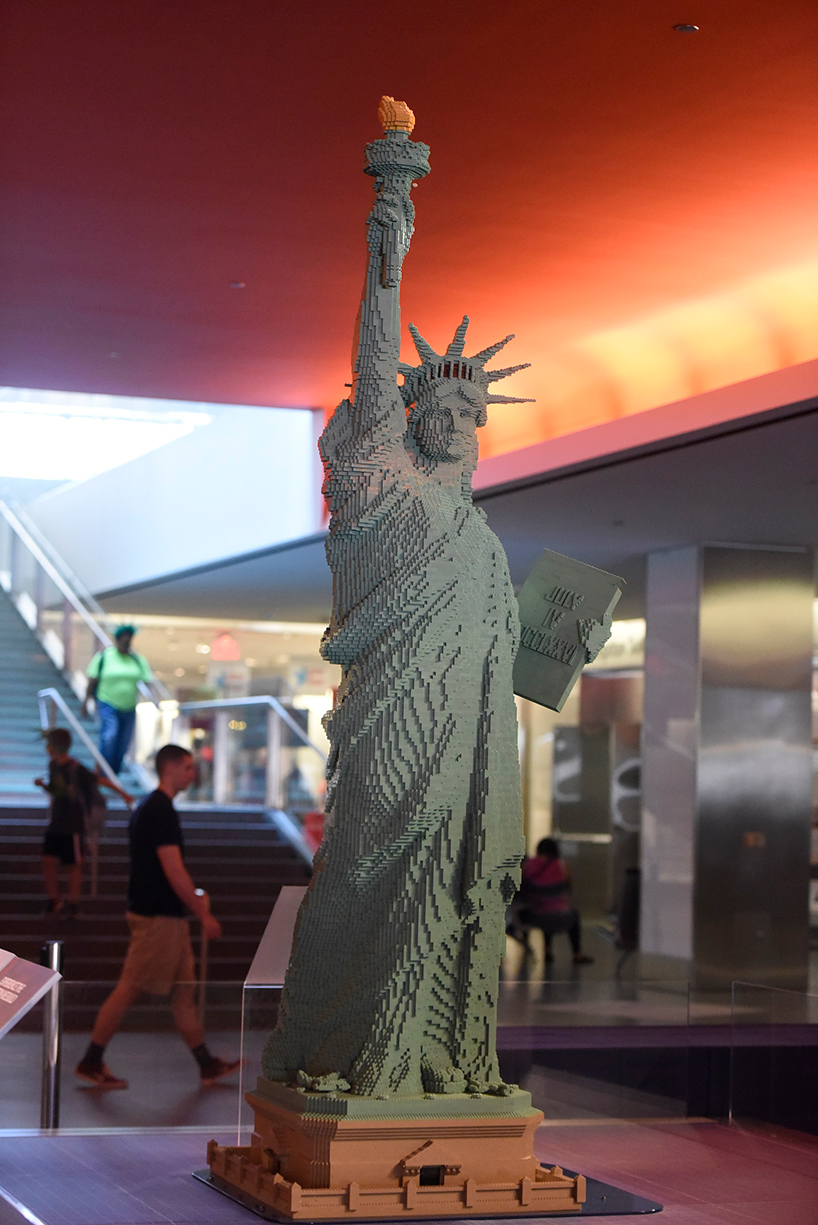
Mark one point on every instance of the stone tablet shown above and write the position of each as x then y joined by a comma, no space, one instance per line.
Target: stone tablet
565,616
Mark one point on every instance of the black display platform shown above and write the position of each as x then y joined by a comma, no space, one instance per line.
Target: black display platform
601,1200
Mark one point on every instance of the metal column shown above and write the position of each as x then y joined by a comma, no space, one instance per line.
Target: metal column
727,762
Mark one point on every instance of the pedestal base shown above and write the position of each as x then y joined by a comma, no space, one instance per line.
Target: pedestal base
320,1156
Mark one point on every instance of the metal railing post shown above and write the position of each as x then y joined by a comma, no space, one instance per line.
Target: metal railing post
273,778
221,757
51,956
39,596
204,945
67,637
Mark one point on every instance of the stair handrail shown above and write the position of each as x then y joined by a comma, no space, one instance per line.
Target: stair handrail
53,695
80,600
264,700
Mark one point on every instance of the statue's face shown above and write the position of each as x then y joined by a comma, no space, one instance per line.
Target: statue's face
445,427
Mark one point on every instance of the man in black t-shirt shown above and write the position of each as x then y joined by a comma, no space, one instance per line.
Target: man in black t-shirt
159,960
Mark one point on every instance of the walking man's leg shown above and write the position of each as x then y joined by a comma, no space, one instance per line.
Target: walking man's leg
109,1018
186,1014
188,1023
112,1012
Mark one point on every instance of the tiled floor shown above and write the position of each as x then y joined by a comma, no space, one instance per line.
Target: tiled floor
704,1174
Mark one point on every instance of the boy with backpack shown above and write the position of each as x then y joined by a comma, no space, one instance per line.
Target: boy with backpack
74,795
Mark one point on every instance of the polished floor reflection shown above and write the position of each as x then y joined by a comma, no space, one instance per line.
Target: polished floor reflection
703,1174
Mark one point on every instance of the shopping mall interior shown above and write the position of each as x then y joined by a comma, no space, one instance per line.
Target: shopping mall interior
631,191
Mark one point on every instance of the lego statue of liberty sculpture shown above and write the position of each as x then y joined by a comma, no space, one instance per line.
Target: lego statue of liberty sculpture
392,985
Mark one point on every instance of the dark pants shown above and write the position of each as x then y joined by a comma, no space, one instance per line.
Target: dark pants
115,733
551,925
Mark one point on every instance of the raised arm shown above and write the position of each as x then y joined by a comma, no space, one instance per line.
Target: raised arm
395,162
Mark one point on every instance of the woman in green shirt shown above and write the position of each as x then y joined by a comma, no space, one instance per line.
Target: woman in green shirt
114,675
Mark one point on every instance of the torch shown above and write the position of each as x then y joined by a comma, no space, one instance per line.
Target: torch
395,162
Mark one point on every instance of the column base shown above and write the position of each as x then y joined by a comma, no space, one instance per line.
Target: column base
322,1157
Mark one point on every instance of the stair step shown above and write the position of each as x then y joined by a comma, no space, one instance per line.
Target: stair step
234,852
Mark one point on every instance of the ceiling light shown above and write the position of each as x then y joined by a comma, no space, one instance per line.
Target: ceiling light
685,27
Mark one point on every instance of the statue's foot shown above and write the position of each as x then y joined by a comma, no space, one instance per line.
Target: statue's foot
496,1088
442,1078
330,1082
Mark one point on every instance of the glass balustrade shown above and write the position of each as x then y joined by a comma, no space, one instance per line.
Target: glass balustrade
66,620
774,1057
622,1063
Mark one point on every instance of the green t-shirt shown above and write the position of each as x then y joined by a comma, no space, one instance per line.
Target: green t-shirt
120,676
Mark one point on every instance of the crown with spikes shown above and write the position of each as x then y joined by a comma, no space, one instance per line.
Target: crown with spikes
452,366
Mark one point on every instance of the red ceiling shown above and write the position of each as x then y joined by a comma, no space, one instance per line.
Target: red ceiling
590,166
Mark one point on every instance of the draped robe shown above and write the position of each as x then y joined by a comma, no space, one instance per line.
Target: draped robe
393,978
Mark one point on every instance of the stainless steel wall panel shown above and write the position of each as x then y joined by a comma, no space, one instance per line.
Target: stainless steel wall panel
754,777
669,750
727,762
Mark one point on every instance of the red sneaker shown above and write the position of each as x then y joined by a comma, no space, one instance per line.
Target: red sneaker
217,1069
101,1076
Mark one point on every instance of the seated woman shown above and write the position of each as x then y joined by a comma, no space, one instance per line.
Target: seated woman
546,898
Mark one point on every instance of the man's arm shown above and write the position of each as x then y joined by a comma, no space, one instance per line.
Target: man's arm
180,882
102,780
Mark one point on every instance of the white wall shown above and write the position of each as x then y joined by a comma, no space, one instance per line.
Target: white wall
247,480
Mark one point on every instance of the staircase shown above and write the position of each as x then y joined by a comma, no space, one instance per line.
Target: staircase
237,857
25,668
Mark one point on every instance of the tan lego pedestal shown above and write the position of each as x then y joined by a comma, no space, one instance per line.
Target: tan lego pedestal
317,1156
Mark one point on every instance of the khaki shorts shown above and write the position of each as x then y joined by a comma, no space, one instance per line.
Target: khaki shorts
159,954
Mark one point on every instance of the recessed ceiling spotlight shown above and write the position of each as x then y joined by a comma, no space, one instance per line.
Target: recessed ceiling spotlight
684,27
241,284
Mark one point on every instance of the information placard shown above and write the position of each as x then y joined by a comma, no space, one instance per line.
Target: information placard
22,983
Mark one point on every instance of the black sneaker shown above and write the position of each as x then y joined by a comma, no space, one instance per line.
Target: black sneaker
217,1069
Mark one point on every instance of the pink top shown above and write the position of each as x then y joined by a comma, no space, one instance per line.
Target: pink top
551,876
